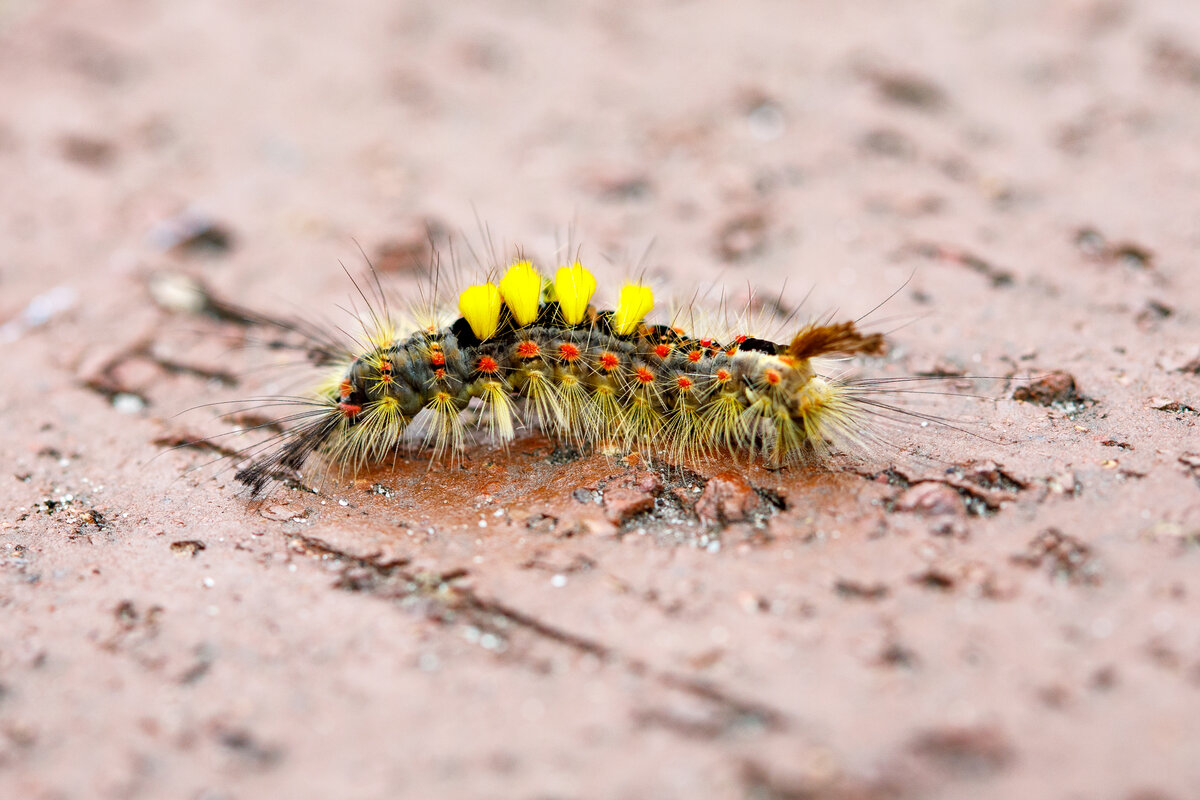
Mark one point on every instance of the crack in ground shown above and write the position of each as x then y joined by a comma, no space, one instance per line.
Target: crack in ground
983,487
183,441
104,380
952,254
446,600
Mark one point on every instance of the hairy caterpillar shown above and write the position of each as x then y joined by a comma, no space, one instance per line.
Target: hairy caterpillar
532,349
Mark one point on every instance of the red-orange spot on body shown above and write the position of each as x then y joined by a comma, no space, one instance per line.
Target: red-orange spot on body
346,389
609,361
437,358
568,352
662,350
791,362
695,355
528,349
679,331
349,410
723,375
773,377
683,382
741,339
644,375
385,366
487,365
732,351
439,374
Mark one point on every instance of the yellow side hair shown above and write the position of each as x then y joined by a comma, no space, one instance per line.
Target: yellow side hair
498,410
641,421
379,429
544,404
446,433
723,423
581,416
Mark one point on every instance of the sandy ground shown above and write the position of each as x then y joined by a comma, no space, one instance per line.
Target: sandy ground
1013,613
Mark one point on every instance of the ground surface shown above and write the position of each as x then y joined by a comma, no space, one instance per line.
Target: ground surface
979,618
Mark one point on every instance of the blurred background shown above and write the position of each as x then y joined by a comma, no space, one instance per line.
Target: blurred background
825,143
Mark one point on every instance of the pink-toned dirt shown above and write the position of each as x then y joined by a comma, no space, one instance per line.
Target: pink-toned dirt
1007,610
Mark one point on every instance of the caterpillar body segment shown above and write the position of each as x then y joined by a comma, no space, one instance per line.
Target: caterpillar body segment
537,352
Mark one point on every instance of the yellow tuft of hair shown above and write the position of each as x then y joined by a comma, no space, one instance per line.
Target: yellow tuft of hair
521,288
574,287
382,335
480,307
497,411
543,402
581,416
633,305
723,424
446,433
379,429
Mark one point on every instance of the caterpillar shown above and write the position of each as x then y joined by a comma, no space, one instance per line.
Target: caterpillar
534,350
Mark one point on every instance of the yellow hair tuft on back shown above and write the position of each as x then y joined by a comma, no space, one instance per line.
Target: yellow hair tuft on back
633,305
574,287
521,288
480,307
